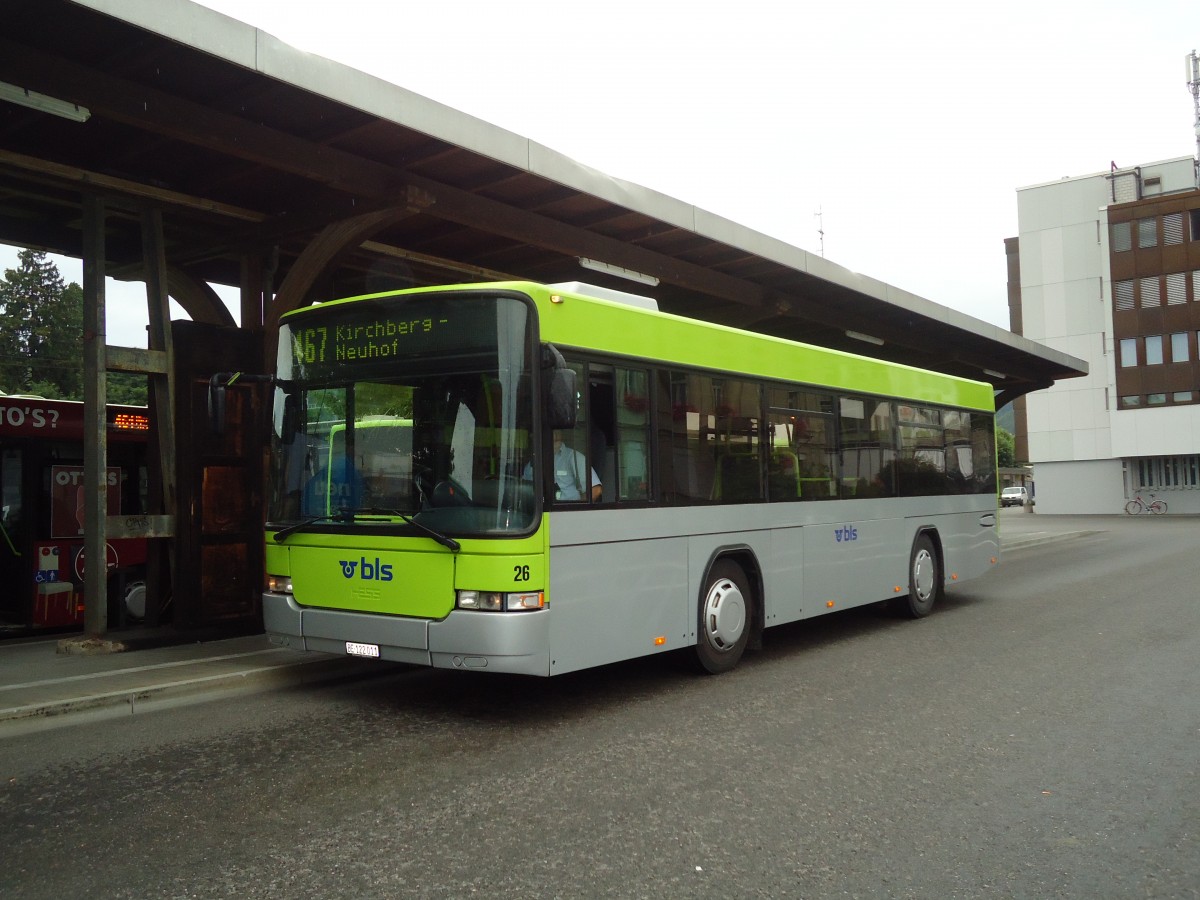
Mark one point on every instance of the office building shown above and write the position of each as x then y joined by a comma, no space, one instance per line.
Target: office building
1106,267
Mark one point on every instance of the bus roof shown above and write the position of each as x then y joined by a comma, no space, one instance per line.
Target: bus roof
609,326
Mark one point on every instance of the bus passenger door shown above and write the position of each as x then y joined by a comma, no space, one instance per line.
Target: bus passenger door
14,563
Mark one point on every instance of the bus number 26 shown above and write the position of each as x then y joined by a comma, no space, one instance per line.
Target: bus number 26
520,573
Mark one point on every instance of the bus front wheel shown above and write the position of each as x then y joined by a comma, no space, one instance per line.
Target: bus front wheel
924,579
726,608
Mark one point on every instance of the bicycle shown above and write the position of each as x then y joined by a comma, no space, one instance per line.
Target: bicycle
1137,506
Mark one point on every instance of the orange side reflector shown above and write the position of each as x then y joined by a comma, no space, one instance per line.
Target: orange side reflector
660,640
897,589
993,560
954,576
829,603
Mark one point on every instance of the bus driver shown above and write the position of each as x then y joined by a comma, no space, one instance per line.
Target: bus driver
569,466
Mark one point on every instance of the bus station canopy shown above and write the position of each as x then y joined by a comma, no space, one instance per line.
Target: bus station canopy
299,179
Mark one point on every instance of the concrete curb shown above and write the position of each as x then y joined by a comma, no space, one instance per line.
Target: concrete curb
153,695
1011,545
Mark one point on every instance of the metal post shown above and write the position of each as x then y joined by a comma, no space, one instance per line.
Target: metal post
1193,77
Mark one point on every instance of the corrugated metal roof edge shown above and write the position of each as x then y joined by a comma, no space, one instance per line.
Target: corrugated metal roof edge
245,45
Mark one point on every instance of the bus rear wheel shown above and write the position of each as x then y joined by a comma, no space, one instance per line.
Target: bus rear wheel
726,611
924,580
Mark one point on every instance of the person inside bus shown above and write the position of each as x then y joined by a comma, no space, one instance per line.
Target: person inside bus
570,467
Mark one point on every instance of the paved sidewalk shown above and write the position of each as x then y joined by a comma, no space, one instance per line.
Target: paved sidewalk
1019,529
43,688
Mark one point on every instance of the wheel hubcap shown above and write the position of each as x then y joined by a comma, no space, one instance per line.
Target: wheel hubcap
922,575
724,615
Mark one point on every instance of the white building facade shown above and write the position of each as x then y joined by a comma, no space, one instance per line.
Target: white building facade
1109,272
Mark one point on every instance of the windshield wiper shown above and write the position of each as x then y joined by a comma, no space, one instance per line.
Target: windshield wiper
349,515
282,534
442,539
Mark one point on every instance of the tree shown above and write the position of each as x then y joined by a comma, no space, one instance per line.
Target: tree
41,336
128,388
41,330
1006,455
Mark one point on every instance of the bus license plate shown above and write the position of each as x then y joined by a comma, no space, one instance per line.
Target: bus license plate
371,650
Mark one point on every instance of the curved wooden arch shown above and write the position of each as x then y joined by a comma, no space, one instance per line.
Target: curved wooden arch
314,260
197,298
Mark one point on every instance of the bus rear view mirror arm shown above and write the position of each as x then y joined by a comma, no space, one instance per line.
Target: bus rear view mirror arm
216,395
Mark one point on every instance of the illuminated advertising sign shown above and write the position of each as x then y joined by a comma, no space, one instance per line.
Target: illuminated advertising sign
63,419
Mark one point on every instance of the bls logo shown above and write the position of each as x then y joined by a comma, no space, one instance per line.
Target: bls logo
846,533
375,571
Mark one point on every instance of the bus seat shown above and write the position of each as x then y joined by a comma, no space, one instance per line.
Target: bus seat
784,475
738,478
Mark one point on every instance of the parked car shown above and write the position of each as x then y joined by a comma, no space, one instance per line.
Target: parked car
1013,496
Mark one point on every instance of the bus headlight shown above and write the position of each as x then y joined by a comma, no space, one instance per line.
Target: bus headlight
497,601
279,584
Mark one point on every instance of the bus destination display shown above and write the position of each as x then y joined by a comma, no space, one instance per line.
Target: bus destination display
374,335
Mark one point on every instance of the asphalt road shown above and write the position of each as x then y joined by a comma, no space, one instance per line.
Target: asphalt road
1038,736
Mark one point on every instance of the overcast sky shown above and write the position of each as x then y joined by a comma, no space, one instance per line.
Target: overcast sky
907,126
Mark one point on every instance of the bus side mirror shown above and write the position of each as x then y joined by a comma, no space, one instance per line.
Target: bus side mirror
291,417
563,399
562,403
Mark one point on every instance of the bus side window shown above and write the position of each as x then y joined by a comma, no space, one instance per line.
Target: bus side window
687,442
633,435
867,447
801,463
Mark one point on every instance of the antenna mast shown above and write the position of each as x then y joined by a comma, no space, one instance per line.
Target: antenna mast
1193,77
821,217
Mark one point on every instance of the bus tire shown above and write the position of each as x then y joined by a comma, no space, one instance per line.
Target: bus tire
725,618
924,579
135,600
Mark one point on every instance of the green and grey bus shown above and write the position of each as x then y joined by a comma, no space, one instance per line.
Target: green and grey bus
726,481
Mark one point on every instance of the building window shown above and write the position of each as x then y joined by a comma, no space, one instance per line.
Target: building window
1167,472
1179,347
1156,399
1177,289
1181,397
1173,228
1128,353
1148,287
1196,285
1154,350
1120,235
1123,293
1129,402
1147,232
1194,215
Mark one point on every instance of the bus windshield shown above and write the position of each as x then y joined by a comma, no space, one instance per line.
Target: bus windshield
417,406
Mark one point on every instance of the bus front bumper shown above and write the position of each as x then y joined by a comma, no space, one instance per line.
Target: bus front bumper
513,643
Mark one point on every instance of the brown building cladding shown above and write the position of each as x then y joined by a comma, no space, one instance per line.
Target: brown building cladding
1154,260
